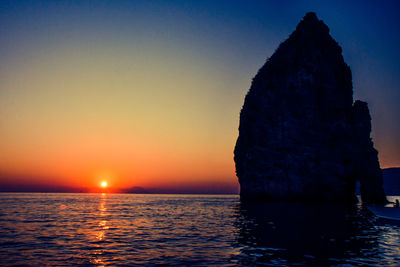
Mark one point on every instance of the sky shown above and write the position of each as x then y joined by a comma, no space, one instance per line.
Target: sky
148,93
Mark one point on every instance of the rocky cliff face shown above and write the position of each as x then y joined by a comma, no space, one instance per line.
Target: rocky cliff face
301,137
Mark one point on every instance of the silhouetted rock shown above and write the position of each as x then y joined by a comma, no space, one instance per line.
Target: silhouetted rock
300,135
391,182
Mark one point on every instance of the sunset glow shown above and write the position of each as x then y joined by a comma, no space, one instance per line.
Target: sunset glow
145,97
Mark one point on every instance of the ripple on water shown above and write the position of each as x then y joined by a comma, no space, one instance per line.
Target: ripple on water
113,229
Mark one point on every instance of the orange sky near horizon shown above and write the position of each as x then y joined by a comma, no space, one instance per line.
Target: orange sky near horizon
116,121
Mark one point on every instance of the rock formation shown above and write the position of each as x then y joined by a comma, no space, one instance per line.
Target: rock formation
301,137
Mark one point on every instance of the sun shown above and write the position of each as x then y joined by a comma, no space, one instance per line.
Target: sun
104,184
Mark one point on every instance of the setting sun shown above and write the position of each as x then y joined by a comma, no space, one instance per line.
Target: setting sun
103,184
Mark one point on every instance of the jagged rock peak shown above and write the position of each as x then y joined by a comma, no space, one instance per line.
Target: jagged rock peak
300,136
310,22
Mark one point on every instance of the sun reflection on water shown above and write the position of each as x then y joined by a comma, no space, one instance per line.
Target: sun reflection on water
100,232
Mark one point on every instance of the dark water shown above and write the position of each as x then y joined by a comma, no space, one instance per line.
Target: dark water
112,229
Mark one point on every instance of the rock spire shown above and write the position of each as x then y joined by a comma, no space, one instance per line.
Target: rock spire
301,135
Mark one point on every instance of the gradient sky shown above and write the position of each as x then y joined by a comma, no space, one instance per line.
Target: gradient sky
148,93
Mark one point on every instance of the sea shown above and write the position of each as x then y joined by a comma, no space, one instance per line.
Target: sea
40,229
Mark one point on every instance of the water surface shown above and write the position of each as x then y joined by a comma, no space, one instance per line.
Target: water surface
204,230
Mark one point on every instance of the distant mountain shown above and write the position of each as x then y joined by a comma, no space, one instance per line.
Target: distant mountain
183,190
136,190
391,181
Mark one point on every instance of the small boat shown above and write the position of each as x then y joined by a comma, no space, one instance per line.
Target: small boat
390,213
